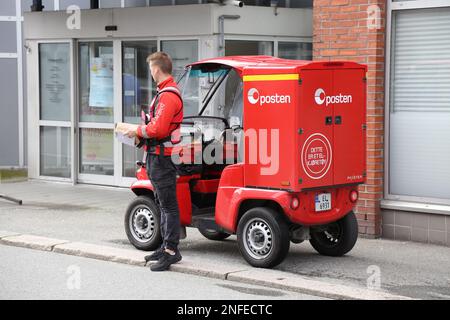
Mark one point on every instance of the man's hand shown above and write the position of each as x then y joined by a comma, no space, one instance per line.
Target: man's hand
131,133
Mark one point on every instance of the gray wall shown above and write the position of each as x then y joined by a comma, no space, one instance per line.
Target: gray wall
416,226
9,110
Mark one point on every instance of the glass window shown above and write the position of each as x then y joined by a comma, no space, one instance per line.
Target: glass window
301,3
137,83
138,90
135,3
96,155
54,81
214,91
55,155
96,82
8,37
186,2
110,3
82,4
7,8
295,50
198,86
160,2
48,5
419,117
182,52
244,47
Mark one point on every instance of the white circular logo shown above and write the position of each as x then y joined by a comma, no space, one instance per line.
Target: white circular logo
253,96
320,96
317,155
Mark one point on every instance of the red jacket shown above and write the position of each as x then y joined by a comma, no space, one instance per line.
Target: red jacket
169,113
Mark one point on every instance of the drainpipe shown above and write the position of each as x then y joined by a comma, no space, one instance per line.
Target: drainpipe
37,5
94,4
222,31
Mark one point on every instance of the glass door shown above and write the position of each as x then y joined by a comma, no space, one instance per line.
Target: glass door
96,112
138,89
55,109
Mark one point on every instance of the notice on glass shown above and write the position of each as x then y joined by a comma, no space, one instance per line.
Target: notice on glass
55,81
101,91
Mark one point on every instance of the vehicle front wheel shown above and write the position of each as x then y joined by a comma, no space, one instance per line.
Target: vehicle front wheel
263,237
142,224
338,238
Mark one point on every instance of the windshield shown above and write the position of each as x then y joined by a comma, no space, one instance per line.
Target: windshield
198,85
213,94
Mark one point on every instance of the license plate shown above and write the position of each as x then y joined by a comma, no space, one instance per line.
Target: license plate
323,202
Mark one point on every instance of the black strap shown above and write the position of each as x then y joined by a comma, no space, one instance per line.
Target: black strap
154,142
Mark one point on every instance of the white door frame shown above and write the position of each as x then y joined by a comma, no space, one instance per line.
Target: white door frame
34,114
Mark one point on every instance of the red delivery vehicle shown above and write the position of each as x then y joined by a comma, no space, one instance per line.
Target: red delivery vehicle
272,151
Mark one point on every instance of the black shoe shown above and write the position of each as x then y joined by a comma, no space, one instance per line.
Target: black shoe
166,260
155,256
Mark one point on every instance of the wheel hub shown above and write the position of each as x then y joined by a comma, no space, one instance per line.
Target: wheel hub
142,224
258,238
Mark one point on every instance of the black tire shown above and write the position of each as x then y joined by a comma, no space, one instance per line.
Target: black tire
214,235
143,214
339,238
270,228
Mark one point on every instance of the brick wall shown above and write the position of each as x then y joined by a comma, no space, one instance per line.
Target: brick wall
349,30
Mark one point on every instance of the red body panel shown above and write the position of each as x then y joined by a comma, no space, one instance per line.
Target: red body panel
319,110
314,168
270,124
206,186
232,194
350,156
232,179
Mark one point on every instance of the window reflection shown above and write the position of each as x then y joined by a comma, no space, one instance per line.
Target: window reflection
96,82
138,90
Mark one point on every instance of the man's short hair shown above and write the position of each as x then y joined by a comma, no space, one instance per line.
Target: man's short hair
162,60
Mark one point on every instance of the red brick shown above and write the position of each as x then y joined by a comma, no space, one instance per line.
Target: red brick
340,31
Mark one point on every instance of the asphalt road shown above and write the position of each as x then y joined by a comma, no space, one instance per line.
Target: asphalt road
30,274
95,215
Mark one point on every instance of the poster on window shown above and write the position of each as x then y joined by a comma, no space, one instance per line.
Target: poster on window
97,146
55,81
101,82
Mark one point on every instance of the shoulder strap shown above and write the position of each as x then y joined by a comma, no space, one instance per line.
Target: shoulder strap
174,90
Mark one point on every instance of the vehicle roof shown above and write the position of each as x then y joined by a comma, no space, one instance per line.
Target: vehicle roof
241,62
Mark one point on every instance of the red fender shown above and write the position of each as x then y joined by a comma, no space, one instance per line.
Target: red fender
232,194
140,187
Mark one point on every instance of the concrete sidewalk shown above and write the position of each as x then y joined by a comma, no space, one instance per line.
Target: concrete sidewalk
93,215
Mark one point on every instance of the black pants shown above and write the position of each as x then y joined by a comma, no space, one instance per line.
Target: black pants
163,175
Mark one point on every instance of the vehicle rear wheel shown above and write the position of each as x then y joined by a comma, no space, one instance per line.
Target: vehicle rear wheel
263,237
213,234
339,237
142,224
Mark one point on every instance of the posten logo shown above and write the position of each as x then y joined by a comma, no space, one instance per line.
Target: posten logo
321,98
254,97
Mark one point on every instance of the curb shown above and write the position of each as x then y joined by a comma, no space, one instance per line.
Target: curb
264,277
32,242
